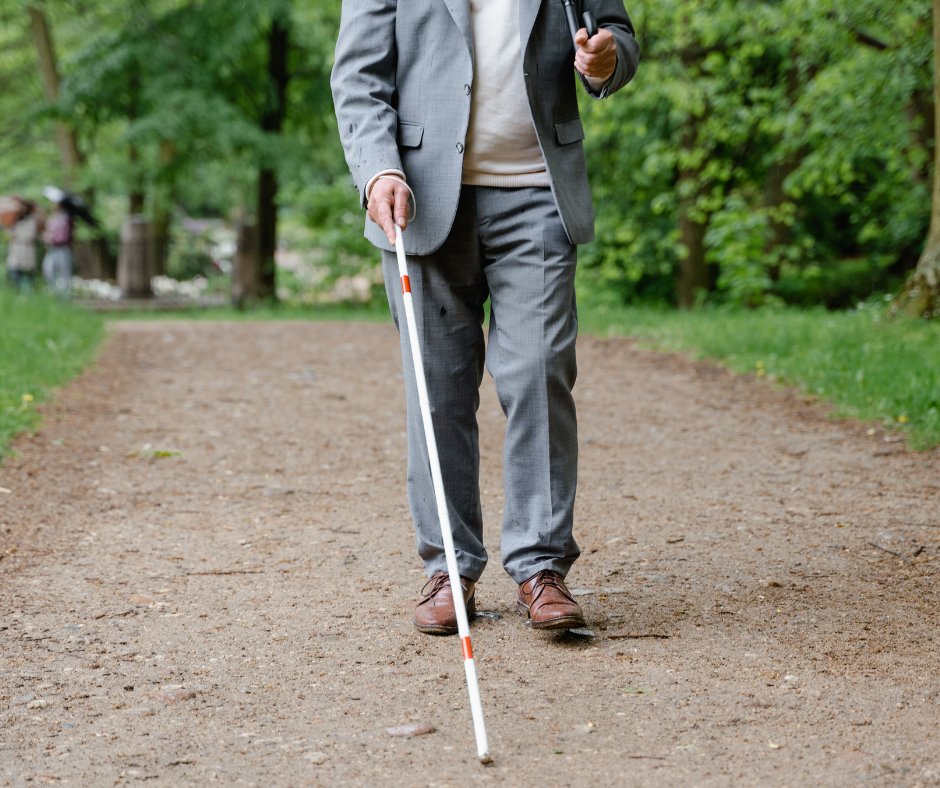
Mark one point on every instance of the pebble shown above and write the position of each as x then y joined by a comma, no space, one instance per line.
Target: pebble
143,711
316,758
67,725
276,489
407,731
39,703
889,536
142,599
724,588
589,728
21,701
770,584
171,695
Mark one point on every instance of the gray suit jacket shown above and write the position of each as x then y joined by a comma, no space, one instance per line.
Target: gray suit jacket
401,83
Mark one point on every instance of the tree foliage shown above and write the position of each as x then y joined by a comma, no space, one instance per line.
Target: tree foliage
769,150
793,137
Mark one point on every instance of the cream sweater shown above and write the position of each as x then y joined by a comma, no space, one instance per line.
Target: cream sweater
501,148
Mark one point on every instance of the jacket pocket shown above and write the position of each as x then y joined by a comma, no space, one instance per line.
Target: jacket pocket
410,134
569,131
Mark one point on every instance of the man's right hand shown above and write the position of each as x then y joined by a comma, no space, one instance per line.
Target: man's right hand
388,206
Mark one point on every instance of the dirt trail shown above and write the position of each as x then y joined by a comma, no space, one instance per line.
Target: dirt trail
746,633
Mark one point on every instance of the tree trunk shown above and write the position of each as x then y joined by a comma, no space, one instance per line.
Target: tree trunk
694,274
776,197
272,122
68,147
921,295
245,269
135,264
921,114
136,197
162,193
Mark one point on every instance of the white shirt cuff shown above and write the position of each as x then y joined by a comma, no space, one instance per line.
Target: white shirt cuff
378,175
597,84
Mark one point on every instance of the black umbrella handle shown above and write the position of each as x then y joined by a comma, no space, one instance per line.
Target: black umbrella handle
590,23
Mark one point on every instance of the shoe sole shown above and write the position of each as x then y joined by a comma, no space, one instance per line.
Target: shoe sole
564,622
471,611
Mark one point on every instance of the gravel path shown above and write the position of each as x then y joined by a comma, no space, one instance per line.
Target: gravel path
240,613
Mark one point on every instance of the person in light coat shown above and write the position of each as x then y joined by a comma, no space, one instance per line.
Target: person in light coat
25,221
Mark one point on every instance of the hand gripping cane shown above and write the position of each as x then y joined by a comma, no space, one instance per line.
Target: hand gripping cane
590,24
463,626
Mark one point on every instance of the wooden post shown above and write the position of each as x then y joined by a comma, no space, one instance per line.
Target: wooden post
135,262
246,267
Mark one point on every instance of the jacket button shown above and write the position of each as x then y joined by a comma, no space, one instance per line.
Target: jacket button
466,89
459,147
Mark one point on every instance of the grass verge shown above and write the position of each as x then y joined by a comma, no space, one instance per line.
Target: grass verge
43,343
375,311
870,366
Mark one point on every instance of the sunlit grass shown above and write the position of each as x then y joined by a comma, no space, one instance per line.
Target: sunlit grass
870,366
43,343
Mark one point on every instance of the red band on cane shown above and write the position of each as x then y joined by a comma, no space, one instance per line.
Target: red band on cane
467,649
405,285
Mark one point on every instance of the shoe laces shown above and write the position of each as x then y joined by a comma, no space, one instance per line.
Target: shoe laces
548,579
437,582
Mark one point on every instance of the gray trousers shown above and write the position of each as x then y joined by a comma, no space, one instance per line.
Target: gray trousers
509,245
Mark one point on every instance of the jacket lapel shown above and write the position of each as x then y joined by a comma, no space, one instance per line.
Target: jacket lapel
528,11
460,11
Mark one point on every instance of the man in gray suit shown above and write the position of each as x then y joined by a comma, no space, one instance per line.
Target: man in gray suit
470,108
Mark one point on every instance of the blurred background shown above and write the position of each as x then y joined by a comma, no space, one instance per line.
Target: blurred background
769,152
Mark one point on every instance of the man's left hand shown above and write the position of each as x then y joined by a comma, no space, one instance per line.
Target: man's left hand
596,57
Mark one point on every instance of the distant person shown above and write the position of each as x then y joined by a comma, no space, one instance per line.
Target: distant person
24,219
60,230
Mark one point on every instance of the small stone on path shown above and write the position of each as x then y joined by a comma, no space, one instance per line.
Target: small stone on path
173,695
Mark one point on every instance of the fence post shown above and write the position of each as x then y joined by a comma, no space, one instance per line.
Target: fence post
246,267
135,262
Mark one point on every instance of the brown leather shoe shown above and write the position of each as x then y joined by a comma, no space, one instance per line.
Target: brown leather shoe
435,614
545,599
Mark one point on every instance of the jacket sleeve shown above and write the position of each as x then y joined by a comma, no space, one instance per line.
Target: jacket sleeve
611,15
363,84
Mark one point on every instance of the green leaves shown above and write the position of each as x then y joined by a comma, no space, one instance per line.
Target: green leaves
829,97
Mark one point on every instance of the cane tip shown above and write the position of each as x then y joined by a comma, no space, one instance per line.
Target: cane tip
486,759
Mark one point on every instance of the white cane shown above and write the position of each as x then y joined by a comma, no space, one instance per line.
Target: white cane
463,626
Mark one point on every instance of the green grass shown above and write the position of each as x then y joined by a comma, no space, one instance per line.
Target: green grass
43,343
871,366
373,312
